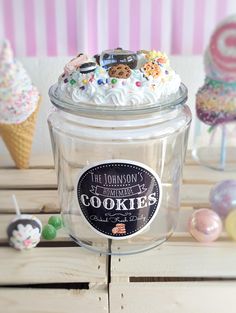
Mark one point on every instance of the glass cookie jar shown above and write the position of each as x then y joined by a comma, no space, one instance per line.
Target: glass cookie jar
119,171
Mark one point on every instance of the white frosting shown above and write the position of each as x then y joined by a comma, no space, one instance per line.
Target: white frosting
135,91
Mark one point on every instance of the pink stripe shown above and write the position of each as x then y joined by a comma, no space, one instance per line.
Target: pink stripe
221,10
92,26
134,25
51,33
113,22
9,22
156,25
71,27
177,26
30,32
198,31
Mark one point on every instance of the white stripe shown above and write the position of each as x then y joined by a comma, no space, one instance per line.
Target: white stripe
124,22
60,8
231,7
102,18
166,24
82,26
209,21
188,22
145,24
19,27
40,28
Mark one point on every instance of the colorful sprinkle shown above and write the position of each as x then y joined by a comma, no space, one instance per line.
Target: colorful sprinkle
72,81
85,81
114,81
138,84
100,82
65,80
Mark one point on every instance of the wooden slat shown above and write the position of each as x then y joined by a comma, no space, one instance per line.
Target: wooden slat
179,259
195,195
51,265
27,179
30,201
202,175
178,297
46,178
53,300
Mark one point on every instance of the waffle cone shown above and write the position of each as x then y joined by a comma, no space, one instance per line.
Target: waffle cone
19,138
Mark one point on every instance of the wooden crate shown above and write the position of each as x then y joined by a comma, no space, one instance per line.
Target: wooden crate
58,276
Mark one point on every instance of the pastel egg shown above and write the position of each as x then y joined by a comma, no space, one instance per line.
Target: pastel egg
205,225
222,197
230,224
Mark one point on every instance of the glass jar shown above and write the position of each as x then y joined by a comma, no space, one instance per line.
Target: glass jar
119,171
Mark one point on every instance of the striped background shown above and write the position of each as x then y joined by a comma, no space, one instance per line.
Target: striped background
64,27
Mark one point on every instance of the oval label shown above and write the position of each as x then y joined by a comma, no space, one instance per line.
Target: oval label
118,198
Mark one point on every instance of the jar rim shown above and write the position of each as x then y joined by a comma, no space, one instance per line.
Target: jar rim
179,98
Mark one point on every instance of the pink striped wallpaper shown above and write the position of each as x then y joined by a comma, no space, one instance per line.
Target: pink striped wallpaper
65,27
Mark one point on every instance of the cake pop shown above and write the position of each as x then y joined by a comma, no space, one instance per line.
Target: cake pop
24,231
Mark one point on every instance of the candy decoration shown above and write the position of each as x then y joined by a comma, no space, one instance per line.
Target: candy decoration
87,67
118,56
55,221
49,232
138,84
205,225
151,69
75,63
120,71
230,224
222,197
222,47
24,231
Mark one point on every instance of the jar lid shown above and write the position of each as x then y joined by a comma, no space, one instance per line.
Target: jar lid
169,102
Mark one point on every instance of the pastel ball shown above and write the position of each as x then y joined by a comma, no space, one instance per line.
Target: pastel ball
230,224
205,225
222,197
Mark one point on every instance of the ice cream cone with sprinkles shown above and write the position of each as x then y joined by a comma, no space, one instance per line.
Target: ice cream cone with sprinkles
19,105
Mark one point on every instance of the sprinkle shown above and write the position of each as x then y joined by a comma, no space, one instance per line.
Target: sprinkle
100,82
72,81
138,84
114,81
84,81
166,72
82,87
65,80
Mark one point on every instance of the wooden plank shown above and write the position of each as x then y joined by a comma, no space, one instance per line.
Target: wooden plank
195,195
36,161
51,265
202,175
178,259
178,297
53,300
46,201
27,179
30,201
46,178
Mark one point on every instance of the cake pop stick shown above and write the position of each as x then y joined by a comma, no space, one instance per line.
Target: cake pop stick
24,231
223,147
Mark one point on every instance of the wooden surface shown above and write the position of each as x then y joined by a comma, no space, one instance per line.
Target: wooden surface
180,276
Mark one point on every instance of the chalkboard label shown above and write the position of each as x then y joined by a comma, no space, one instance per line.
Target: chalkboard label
118,198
